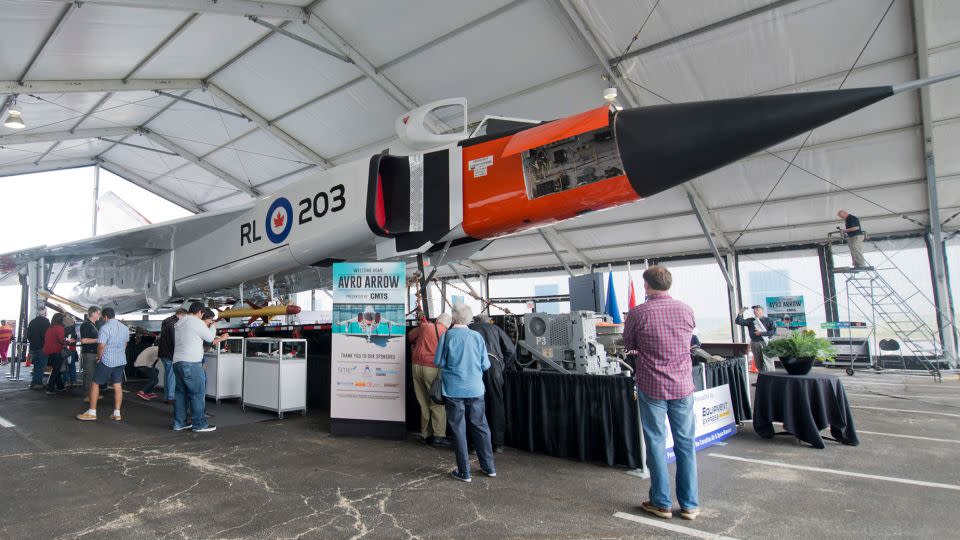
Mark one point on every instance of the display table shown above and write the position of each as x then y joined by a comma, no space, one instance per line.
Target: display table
585,417
275,374
224,366
806,404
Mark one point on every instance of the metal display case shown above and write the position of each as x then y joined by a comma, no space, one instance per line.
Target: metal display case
275,374
224,365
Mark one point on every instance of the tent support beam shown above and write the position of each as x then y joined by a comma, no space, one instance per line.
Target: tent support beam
269,127
200,104
707,233
206,165
369,70
97,85
704,29
555,252
565,243
941,297
588,34
240,8
312,44
180,29
46,166
54,136
138,180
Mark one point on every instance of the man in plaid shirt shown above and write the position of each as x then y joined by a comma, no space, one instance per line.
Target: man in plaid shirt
659,330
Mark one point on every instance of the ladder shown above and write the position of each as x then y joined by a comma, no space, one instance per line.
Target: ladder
875,299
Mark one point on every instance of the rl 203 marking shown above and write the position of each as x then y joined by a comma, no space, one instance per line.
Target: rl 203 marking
279,218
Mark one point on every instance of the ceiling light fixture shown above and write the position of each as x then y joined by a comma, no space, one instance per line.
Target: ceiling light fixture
14,117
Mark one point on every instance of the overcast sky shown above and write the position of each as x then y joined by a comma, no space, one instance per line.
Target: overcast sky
56,207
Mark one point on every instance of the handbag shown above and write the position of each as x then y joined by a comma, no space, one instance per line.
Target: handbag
436,387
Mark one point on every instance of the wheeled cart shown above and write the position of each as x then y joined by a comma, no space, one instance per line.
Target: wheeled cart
224,366
275,374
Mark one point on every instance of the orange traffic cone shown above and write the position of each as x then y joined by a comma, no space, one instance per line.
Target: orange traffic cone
753,364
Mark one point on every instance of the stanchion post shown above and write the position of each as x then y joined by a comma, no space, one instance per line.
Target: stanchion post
640,472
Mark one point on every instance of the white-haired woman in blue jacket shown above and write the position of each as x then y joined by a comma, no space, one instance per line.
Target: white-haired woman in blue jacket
462,358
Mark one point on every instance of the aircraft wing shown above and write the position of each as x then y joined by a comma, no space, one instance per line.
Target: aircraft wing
141,241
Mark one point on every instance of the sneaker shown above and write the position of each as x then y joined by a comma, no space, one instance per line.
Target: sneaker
460,476
498,449
440,442
205,429
145,396
492,474
116,417
51,392
86,416
183,428
689,513
37,387
665,513
152,395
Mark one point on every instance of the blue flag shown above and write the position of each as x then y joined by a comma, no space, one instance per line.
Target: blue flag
612,308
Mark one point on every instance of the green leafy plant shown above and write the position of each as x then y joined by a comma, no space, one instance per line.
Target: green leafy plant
802,344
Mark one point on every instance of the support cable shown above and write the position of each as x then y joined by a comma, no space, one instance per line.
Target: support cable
810,133
791,162
635,37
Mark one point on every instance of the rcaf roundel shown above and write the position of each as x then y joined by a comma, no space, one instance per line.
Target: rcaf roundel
279,220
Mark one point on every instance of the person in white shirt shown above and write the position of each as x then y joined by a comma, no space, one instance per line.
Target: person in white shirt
190,333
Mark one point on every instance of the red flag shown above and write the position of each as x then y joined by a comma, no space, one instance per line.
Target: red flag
632,300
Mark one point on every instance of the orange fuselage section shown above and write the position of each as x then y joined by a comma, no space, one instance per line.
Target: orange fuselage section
496,198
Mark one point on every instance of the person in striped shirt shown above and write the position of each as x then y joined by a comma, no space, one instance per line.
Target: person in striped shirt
659,330
111,359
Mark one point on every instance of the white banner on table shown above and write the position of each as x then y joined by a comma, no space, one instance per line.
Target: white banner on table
713,410
367,363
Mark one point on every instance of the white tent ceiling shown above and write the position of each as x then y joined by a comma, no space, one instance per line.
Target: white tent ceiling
86,76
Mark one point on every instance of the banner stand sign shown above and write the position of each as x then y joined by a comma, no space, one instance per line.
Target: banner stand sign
368,377
787,311
713,410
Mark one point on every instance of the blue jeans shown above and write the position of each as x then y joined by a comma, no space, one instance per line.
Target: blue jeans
169,379
192,386
39,365
683,426
151,374
71,374
479,432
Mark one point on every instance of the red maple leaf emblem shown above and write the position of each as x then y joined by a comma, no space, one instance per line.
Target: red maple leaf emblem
278,220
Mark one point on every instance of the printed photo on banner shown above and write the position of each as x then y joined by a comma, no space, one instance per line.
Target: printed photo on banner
713,411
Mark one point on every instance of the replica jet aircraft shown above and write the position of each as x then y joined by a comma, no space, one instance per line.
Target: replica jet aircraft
449,193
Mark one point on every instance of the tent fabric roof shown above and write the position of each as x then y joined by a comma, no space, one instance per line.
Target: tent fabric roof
87,68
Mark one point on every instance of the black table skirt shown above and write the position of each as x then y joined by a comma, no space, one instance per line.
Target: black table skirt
806,404
595,417
585,417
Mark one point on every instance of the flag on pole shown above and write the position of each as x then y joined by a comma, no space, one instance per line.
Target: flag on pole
612,308
632,294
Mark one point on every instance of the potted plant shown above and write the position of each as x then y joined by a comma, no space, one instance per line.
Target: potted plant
798,350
